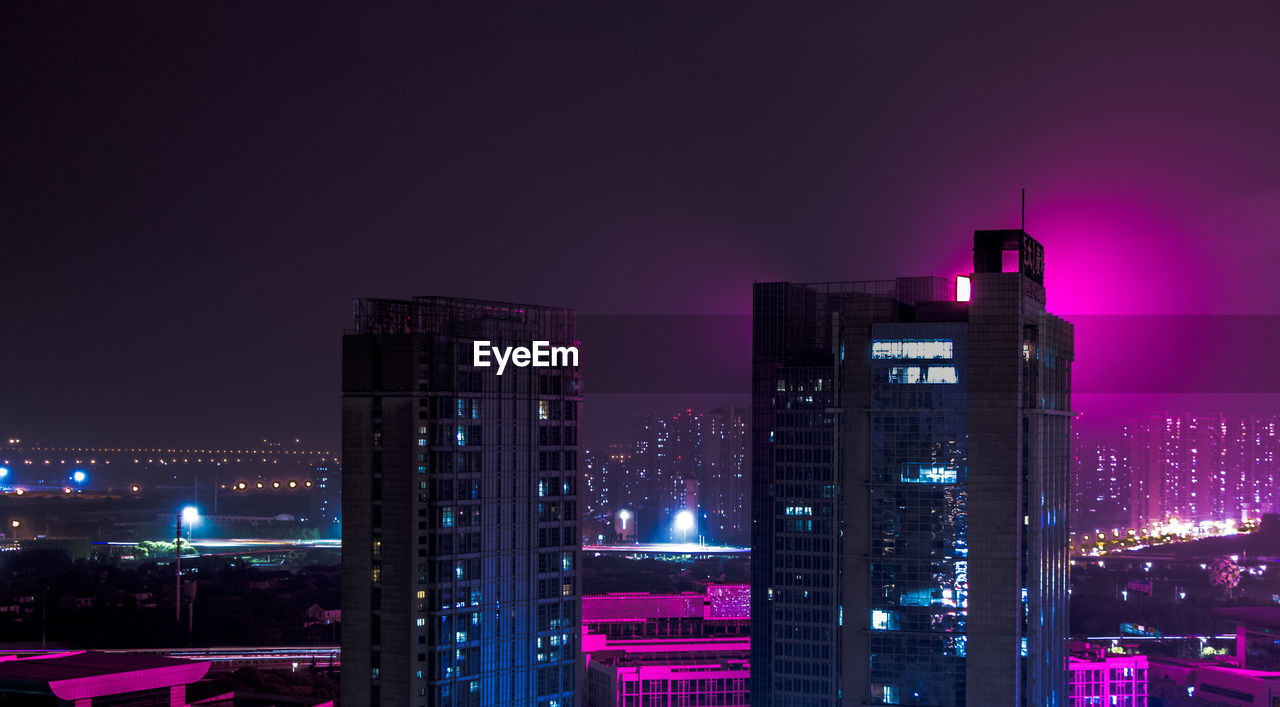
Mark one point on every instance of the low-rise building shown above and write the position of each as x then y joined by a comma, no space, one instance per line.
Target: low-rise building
86,678
671,649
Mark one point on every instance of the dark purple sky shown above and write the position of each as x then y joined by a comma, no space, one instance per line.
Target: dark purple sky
192,195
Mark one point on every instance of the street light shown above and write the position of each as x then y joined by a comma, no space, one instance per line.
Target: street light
684,523
189,516
624,515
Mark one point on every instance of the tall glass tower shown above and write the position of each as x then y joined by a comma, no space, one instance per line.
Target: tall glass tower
460,540
910,443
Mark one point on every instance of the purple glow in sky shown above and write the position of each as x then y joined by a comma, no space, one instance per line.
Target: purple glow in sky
192,195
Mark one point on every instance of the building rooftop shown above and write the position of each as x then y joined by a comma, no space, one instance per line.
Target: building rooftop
85,674
437,315
1264,618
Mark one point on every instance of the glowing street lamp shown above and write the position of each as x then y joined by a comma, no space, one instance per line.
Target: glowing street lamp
624,515
190,515
684,523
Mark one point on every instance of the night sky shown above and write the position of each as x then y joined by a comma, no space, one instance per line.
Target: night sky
193,194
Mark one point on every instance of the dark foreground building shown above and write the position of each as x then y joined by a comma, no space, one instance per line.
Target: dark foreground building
459,508
909,478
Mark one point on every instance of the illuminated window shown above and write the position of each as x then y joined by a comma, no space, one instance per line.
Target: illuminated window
904,374
942,374
912,348
927,474
963,289
544,409
918,374
884,620
462,436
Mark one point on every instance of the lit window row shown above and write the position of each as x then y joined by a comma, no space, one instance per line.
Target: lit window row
912,348
926,375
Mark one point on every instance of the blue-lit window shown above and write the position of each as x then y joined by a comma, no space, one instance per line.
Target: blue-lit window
920,597
927,474
462,436
904,374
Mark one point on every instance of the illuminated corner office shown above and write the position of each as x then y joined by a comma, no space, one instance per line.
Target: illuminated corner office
910,443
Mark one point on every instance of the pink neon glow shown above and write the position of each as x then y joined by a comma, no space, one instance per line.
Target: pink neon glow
963,288
1097,681
723,606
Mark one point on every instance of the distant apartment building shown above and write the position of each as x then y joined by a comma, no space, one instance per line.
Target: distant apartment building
692,461
1197,468
1100,487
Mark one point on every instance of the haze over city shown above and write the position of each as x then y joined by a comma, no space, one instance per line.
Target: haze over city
193,198
921,354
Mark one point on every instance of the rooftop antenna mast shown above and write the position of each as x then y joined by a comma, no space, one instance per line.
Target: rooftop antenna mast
1024,209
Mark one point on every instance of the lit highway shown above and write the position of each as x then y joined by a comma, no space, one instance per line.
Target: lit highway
232,658
666,549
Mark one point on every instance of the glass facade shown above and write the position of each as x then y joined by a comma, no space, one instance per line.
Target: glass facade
919,550
909,480
460,508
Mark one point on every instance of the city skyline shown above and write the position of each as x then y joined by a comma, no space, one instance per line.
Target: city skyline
640,355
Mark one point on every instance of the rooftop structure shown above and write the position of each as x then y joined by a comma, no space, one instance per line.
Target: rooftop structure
83,678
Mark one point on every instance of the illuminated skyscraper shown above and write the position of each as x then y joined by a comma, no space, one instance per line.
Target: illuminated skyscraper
910,462
460,519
